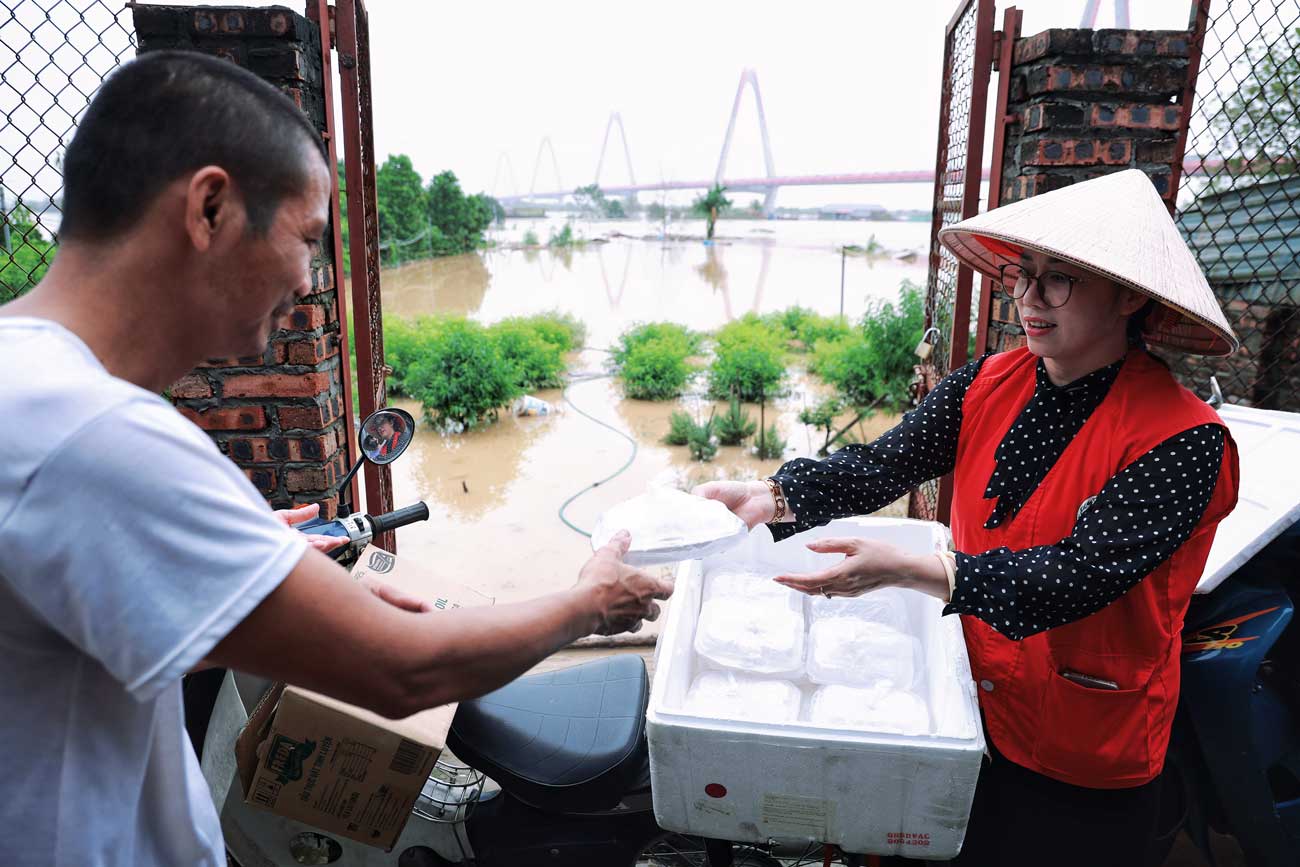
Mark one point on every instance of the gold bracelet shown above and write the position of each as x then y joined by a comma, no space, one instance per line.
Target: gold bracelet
778,496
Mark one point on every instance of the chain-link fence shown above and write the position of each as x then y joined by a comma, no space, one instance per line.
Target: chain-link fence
966,57
1239,205
53,56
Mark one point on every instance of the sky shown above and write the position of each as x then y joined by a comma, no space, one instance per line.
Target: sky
475,87
846,86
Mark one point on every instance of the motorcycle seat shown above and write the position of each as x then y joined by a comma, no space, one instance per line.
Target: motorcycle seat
571,740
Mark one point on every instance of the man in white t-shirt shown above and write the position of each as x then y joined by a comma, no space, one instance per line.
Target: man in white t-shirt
133,551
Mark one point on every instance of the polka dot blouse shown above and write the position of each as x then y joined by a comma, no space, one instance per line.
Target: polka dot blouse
1141,516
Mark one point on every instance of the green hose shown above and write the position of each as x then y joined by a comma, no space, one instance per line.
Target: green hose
632,457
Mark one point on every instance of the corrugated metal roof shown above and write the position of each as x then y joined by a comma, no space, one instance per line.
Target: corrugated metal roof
1248,240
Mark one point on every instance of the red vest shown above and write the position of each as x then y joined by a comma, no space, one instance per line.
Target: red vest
1086,737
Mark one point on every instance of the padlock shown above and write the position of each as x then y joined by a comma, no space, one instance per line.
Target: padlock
923,349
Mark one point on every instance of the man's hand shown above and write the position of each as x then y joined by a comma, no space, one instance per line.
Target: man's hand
324,544
625,596
395,597
293,517
751,502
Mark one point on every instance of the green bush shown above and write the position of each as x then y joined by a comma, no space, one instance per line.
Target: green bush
562,238
701,442
656,370
749,362
823,329
680,425
404,342
530,239
848,366
875,363
700,439
735,426
691,342
770,446
537,363
651,360
893,333
460,377
823,414
558,329
806,326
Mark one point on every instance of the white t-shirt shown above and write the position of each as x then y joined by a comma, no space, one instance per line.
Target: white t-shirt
129,546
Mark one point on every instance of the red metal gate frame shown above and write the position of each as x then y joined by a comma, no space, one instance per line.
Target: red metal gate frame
320,12
346,28
1006,46
971,176
1199,22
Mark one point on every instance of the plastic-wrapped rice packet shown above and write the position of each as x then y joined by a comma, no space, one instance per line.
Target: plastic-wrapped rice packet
731,695
668,526
878,709
888,606
749,622
727,581
843,650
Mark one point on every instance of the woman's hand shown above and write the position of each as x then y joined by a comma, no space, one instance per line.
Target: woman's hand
869,565
750,501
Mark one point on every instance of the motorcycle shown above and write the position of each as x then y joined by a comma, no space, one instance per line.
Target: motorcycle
518,787
551,769
1234,757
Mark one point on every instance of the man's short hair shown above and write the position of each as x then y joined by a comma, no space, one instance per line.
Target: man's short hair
169,113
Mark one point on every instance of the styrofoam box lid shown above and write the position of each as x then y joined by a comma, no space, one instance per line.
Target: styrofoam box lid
1269,498
951,694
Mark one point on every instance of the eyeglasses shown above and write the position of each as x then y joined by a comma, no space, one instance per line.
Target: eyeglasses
1054,287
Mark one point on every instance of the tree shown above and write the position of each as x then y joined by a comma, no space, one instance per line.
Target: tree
1261,115
459,221
592,201
709,205
399,190
448,212
28,256
872,367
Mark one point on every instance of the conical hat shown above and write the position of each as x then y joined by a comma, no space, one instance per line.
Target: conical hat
1118,227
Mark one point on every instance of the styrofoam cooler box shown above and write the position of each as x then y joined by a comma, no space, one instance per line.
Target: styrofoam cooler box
866,792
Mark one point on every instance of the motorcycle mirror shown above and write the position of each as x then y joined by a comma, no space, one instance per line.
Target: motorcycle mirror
385,434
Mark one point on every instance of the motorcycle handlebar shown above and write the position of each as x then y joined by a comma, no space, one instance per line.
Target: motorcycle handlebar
400,518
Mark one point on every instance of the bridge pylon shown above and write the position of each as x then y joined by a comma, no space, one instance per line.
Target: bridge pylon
749,77
504,159
616,118
537,164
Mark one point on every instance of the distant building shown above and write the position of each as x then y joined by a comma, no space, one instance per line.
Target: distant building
853,212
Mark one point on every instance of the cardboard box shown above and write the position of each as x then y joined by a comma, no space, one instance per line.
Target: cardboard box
342,768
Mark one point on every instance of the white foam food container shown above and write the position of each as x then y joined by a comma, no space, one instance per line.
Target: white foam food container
866,792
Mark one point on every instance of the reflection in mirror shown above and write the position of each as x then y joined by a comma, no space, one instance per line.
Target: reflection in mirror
386,434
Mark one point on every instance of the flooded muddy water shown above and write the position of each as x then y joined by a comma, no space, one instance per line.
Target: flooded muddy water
496,494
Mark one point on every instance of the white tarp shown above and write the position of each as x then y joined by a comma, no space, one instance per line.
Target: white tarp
1268,443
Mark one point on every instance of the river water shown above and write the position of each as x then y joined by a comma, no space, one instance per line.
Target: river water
495,494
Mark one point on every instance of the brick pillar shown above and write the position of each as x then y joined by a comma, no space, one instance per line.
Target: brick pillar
1086,103
279,416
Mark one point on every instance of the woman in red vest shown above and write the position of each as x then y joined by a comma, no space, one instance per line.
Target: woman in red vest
1087,488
